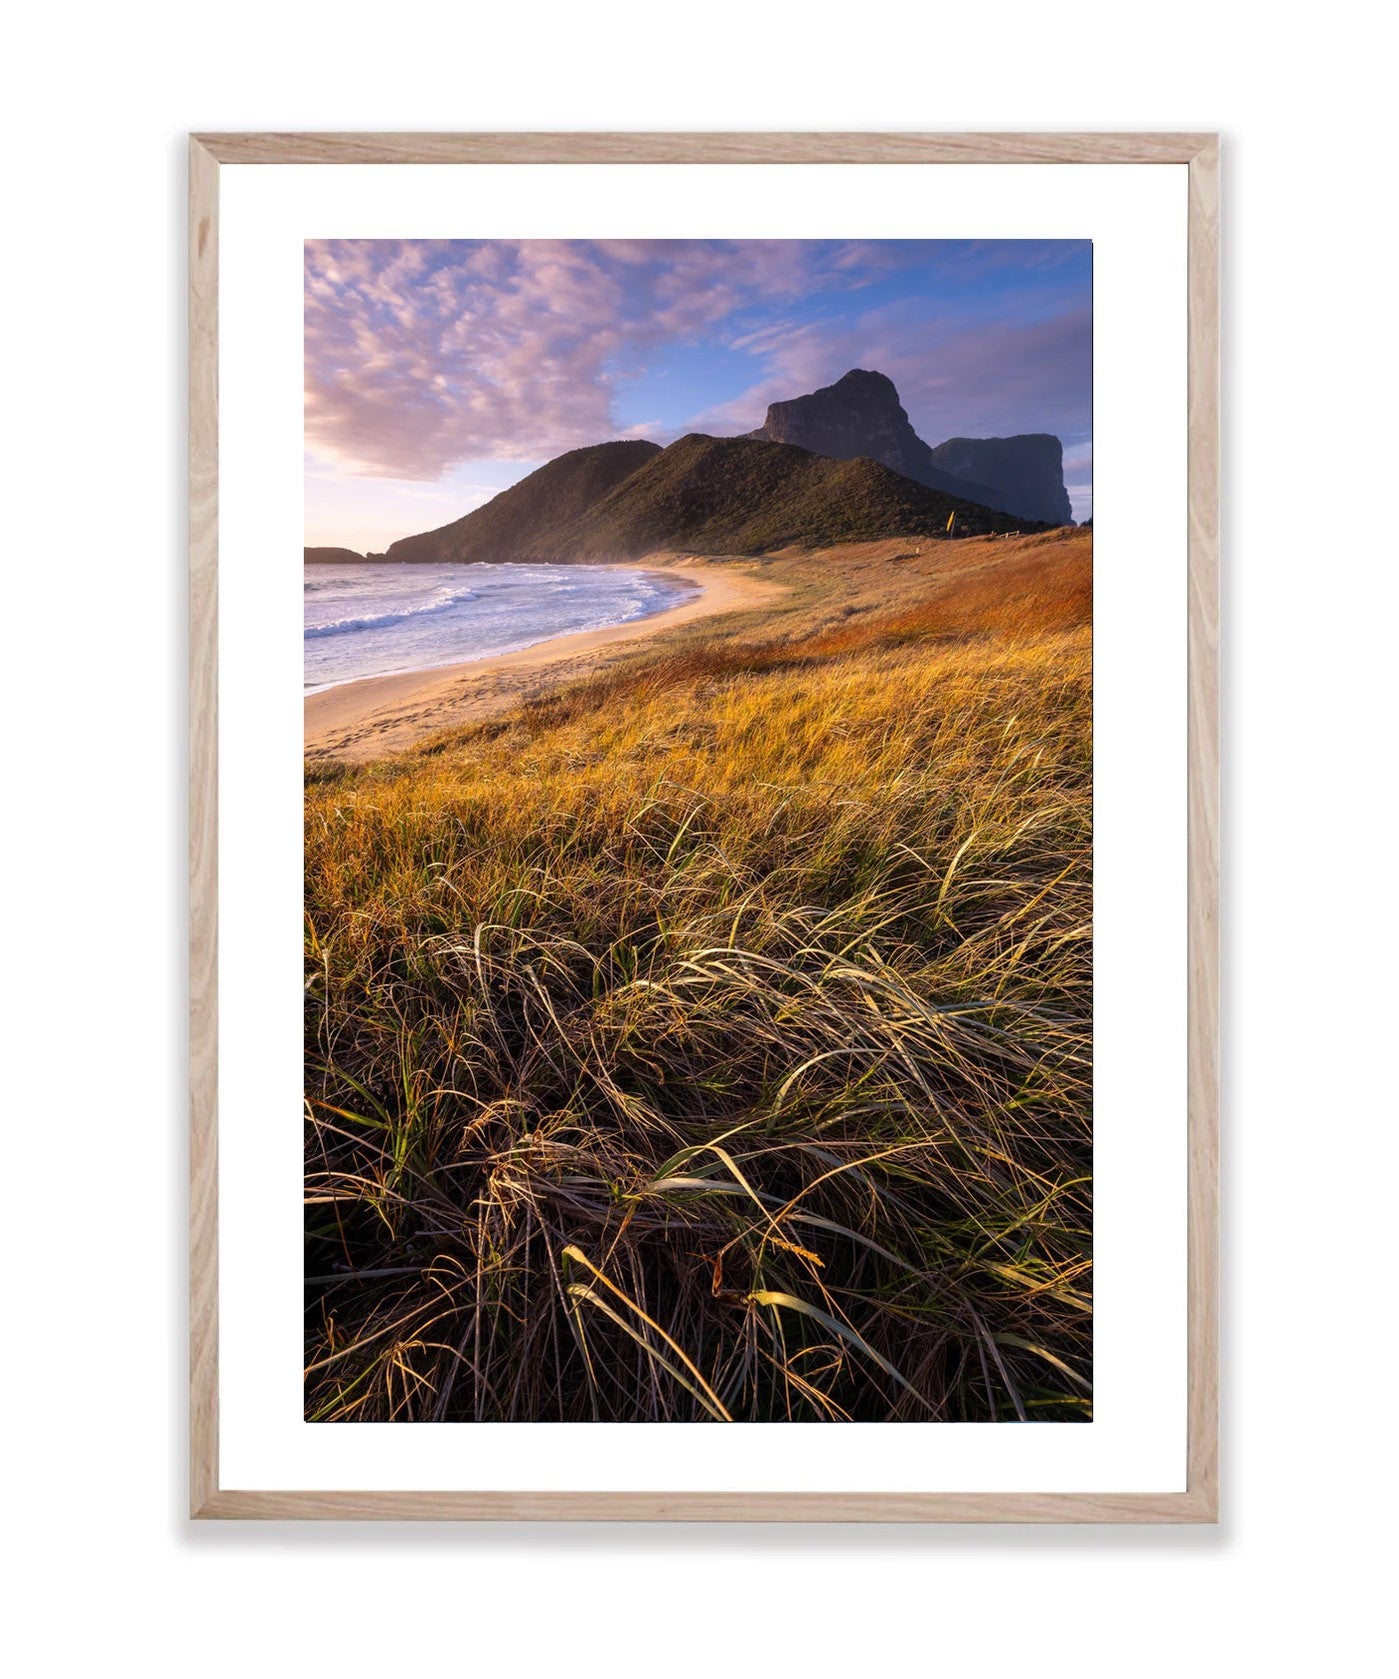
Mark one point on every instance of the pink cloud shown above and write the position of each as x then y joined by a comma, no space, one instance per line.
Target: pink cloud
422,354
414,362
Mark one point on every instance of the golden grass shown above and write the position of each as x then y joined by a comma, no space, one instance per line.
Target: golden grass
712,1040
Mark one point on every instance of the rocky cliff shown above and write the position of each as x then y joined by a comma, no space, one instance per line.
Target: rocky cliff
861,415
1025,474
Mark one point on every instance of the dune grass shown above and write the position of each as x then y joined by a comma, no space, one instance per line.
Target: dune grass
711,1041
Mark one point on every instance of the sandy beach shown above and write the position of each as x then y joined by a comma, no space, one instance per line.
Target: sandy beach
360,720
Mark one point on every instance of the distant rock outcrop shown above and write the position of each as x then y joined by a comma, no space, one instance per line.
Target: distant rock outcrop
861,415
331,556
1025,474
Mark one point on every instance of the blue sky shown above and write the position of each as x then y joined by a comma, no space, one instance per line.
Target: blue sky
438,373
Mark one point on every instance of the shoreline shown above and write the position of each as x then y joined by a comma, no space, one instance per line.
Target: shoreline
485,659
374,715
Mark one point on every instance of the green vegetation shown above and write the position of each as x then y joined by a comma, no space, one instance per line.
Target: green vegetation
731,495
741,496
527,521
711,1039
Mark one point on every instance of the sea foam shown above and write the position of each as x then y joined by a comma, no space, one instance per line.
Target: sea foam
372,620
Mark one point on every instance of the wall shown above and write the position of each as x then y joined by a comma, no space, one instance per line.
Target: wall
108,1570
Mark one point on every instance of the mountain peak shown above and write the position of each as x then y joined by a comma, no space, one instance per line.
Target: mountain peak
861,415
866,379
861,403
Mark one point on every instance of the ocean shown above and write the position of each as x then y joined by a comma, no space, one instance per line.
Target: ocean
374,620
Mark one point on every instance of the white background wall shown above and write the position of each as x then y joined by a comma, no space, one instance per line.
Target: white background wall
97,100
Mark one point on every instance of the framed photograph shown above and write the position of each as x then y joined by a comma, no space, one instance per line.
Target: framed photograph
708,1011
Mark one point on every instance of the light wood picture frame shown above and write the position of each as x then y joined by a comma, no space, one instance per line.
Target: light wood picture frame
1198,153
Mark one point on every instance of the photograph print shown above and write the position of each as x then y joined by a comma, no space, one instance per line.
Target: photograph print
698,831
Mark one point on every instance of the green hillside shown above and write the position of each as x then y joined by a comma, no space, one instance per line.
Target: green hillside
523,522
748,497
735,494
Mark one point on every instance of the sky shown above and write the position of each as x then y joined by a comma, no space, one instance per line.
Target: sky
440,372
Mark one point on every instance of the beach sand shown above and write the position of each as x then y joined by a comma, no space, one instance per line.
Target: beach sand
360,720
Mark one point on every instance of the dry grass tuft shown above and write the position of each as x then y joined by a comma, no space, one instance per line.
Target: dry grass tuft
712,1040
